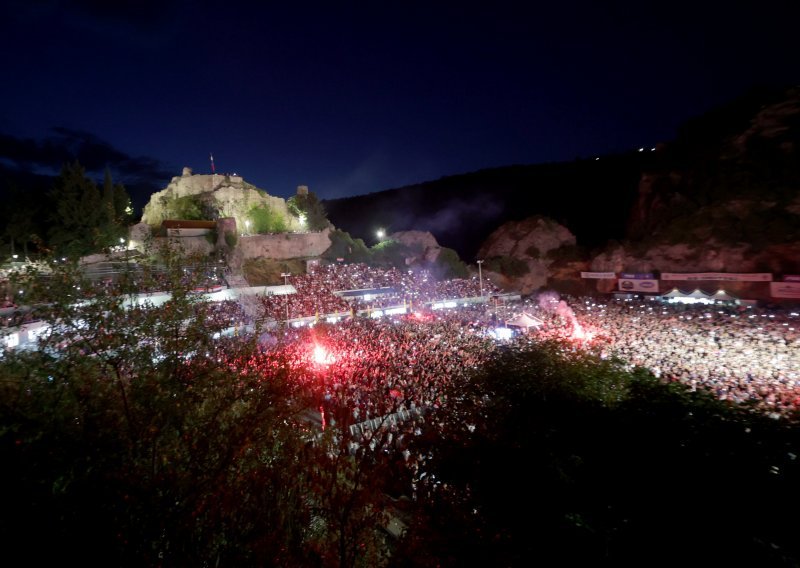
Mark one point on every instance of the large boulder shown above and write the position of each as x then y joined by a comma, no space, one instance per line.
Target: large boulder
422,241
529,247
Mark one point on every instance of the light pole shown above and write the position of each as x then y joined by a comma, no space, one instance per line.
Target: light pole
285,294
480,276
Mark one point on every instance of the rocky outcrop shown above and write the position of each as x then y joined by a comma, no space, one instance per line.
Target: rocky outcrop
709,257
518,255
734,176
218,196
422,241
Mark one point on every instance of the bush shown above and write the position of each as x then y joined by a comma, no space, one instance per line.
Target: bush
507,266
231,239
449,265
390,253
264,219
188,208
344,246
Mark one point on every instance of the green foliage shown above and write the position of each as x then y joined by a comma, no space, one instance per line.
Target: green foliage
313,209
231,238
570,459
84,221
507,266
448,265
390,253
345,247
264,219
188,207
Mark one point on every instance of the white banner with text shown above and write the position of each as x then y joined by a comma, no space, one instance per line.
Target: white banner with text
727,276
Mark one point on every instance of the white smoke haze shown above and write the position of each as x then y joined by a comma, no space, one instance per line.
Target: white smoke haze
458,213
550,302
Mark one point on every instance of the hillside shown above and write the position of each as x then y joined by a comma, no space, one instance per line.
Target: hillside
730,178
591,197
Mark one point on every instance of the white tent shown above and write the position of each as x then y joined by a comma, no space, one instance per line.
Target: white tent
674,293
723,296
524,320
698,294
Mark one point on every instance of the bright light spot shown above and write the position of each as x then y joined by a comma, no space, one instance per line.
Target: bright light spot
502,333
380,233
302,218
121,240
393,311
641,149
12,340
321,356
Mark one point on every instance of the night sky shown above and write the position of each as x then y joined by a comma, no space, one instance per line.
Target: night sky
351,98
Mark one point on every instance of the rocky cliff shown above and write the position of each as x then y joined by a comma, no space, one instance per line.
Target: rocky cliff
422,243
723,197
213,197
519,254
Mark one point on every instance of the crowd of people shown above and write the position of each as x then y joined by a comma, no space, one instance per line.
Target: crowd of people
740,354
317,291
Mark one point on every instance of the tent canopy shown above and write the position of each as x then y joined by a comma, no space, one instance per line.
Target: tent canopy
524,320
722,295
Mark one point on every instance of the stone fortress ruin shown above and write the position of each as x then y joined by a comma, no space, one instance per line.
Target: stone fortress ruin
204,213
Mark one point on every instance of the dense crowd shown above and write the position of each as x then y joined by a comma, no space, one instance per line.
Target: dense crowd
740,354
316,291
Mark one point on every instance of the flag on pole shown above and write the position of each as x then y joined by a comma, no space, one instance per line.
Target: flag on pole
212,163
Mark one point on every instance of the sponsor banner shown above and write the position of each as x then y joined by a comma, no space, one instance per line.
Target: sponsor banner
599,275
791,277
636,275
729,276
784,289
638,285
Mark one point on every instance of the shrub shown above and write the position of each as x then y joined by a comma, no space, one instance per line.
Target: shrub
507,266
449,265
231,239
264,219
188,207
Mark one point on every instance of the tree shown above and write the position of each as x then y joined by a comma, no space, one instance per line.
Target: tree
134,437
84,221
312,208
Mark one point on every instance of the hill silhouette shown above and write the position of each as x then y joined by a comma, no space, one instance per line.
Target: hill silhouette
591,197
739,150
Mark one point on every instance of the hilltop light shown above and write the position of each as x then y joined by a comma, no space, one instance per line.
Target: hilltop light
380,233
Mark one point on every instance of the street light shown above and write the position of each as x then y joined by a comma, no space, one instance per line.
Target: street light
480,276
285,293
380,234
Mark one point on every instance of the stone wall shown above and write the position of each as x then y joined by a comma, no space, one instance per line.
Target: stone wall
285,245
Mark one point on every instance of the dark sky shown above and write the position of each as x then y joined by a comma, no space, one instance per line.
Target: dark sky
354,97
